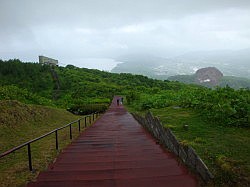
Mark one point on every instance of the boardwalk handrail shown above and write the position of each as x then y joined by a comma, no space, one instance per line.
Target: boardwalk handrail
28,143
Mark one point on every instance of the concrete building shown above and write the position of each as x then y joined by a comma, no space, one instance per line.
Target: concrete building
48,61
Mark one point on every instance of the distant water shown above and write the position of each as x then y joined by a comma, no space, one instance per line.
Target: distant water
105,64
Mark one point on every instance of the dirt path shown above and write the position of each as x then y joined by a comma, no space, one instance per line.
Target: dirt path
115,151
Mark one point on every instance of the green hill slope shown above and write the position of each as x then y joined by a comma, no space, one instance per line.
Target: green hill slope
19,123
233,82
33,83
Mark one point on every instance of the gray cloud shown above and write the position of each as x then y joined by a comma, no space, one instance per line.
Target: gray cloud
78,29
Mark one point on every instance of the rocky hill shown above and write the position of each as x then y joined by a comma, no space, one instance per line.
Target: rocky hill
209,75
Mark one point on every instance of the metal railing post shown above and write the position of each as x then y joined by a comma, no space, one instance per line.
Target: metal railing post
70,131
79,125
29,155
56,140
85,121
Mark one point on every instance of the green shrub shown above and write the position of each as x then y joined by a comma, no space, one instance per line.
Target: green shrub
88,109
12,92
222,105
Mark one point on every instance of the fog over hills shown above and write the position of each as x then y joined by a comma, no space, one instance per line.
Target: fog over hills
231,63
93,33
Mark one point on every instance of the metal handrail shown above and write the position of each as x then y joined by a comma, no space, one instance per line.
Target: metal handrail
91,116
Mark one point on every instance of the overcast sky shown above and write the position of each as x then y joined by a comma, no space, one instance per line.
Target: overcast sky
80,32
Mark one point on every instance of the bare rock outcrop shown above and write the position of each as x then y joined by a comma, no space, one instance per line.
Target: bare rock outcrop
209,75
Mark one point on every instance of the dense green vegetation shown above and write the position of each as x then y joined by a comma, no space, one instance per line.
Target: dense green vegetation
88,108
33,77
211,113
33,83
223,106
12,92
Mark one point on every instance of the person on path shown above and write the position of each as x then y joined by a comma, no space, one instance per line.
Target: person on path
118,101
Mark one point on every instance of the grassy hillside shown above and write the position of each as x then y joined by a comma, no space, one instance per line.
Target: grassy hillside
21,122
224,150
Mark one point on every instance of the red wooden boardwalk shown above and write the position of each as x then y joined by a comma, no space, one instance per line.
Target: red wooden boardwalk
115,151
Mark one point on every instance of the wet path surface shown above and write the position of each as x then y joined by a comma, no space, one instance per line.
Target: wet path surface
115,151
